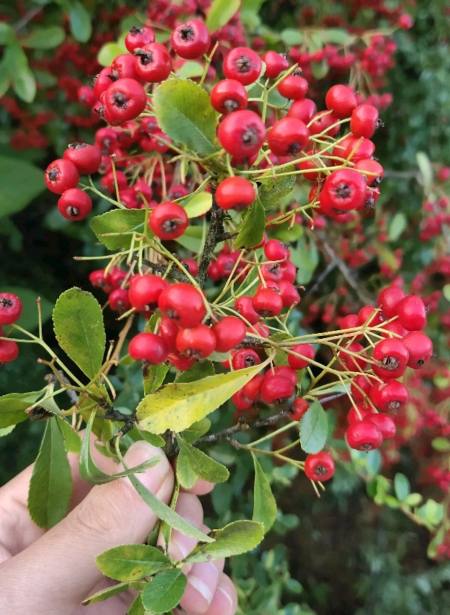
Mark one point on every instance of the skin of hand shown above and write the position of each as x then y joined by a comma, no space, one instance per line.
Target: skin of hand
52,572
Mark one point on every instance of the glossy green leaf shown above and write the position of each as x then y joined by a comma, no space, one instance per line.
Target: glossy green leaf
291,36
264,503
154,376
184,112
177,406
235,538
51,482
275,191
132,562
20,183
164,591
115,228
105,594
108,52
44,37
199,370
80,21
252,227
72,440
220,12
13,406
79,329
204,466
314,428
198,204
196,430
401,486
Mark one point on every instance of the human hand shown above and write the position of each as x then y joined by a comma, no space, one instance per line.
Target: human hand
51,572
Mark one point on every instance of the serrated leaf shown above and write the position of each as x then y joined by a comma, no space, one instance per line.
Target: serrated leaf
264,503
396,226
314,428
114,228
177,406
274,191
164,591
252,227
220,12
80,21
105,594
13,406
184,112
204,466
79,329
44,37
132,562
198,204
51,482
401,486
20,183
235,538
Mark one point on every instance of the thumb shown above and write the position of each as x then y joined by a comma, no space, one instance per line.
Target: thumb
60,566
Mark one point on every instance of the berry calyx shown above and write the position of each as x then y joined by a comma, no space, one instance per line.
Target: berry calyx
242,64
190,40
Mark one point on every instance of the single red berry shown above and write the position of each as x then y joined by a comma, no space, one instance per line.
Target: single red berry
293,87
287,136
153,63
360,387
168,220
182,364
60,175
190,40
138,37
74,204
145,290
392,357
198,342
343,191
300,355
124,66
363,435
267,302
341,99
85,157
125,99
251,390
148,347
371,169
241,134
10,308
411,313
9,351
357,413
364,121
241,401
102,81
244,305
275,250
247,357
369,315
229,332
229,95
352,357
388,300
118,300
275,389
235,193
242,64
285,372
384,423
420,348
183,303
98,280
299,408
275,63
289,294
354,148
389,396
319,466
168,330
325,123
303,110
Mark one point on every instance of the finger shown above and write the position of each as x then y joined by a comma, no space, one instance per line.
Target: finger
60,566
189,507
201,586
202,487
225,598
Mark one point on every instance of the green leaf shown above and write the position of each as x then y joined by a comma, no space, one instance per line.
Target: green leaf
291,36
105,594
80,21
446,291
164,591
13,406
186,475
413,499
252,227
396,226
154,376
220,12
198,204
44,37
189,70
426,171
22,79
235,538
5,431
29,316
314,428
122,223
191,239
79,329
264,503
177,406
204,466
132,562
109,51
441,444
184,112
432,512
319,69
401,486
337,36
199,370
6,33
72,440
20,183
274,191
51,482
306,257
197,430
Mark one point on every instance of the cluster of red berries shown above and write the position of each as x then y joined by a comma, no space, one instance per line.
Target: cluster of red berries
10,311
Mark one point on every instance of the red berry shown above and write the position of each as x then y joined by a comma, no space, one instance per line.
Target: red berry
384,424
9,351
275,389
148,347
364,121
241,401
303,109
230,332
242,64
190,40
118,300
363,435
138,37
299,408
288,136
319,466
124,66
354,148
411,313
341,100
275,63
229,95
356,414
60,175
244,305
153,63
74,204
300,355
267,302
323,123
289,294
275,250
369,315
241,134
371,169
145,290
352,357
180,363
343,191
125,99
251,389
235,192
198,342
98,280
168,220
388,300
392,357
84,156
183,303
10,308
285,372
247,357
360,387
389,397
293,87
420,348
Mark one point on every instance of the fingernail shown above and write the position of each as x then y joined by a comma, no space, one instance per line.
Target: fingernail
155,475
201,587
